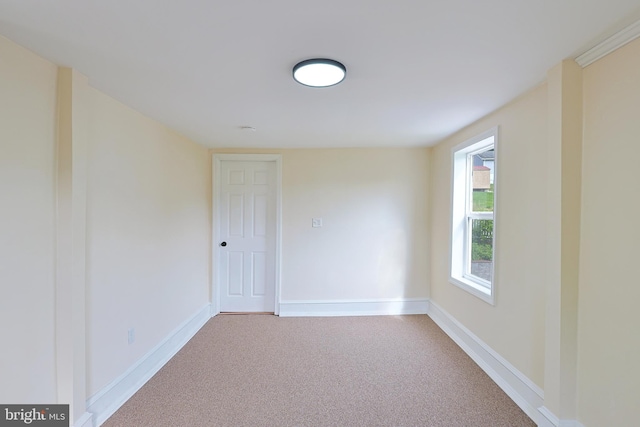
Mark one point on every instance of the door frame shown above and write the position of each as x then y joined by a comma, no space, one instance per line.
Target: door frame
217,159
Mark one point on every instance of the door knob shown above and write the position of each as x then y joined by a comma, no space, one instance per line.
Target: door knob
223,244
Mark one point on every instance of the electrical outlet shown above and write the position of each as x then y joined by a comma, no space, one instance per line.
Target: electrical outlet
131,335
316,222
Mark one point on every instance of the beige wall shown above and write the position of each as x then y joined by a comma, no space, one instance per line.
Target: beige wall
527,239
27,226
148,235
147,232
373,243
514,327
608,336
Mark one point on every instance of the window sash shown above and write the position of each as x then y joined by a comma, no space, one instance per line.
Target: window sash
463,217
469,217
469,248
480,215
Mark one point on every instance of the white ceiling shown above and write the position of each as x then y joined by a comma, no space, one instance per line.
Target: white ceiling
417,70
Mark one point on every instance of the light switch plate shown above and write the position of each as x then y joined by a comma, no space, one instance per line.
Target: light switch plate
316,222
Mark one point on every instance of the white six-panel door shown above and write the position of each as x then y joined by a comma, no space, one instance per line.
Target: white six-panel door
247,236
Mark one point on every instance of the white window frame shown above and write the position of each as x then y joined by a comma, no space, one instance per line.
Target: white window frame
461,215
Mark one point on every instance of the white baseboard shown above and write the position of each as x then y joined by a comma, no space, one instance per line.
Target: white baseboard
86,420
549,419
107,401
353,307
527,395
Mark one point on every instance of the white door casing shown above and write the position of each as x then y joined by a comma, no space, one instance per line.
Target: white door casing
247,219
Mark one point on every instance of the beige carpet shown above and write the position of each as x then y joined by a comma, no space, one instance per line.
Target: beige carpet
342,371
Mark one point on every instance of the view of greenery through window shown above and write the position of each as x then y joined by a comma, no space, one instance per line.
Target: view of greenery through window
483,200
482,240
482,229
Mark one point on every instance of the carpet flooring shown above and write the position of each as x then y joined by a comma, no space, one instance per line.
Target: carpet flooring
257,370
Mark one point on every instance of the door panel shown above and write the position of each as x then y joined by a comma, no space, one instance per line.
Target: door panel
235,267
260,214
248,226
259,273
236,215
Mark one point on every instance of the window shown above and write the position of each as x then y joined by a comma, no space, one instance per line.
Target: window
472,215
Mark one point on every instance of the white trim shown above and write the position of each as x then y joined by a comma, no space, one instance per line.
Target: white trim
374,307
459,239
474,288
107,401
549,419
216,164
614,42
86,420
524,392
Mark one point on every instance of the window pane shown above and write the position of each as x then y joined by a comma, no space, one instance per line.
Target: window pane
472,215
482,248
482,180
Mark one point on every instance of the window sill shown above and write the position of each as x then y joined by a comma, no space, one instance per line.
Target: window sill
473,288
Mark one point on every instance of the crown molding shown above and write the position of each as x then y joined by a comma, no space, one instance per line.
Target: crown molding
614,42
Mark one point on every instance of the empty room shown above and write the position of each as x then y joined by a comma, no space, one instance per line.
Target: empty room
319,214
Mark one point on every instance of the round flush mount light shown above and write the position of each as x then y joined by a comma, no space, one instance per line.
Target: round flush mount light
319,72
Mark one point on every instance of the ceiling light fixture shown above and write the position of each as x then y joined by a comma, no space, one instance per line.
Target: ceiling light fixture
319,72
